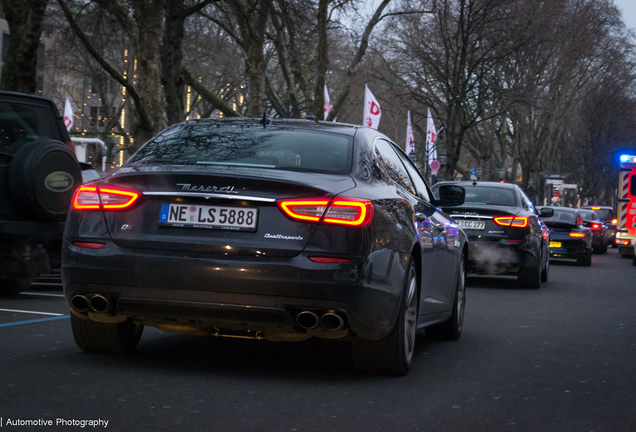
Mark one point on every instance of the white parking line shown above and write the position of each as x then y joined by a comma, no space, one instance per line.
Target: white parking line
42,294
30,312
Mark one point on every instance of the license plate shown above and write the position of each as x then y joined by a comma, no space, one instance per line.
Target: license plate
471,225
554,244
211,217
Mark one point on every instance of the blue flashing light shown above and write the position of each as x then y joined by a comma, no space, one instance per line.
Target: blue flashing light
624,158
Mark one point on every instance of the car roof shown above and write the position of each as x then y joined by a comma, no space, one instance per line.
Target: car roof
277,124
468,183
570,209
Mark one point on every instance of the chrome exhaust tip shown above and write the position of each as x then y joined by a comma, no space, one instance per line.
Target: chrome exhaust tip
332,321
100,303
80,303
307,320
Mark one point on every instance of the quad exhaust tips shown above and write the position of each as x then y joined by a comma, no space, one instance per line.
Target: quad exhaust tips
332,321
80,303
96,303
329,321
100,303
307,320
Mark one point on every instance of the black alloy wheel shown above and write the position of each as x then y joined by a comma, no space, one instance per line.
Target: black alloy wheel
393,355
452,329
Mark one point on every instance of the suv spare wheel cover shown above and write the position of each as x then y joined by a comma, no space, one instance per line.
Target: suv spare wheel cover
43,176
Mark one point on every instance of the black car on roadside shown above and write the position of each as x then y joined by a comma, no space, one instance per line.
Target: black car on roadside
570,238
608,216
266,229
505,236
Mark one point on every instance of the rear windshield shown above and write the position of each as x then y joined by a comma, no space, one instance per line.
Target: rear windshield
605,214
588,215
564,216
247,147
21,123
490,196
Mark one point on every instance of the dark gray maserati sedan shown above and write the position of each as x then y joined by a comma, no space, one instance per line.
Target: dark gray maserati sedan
279,230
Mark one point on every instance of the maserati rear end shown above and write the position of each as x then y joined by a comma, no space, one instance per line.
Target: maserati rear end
280,231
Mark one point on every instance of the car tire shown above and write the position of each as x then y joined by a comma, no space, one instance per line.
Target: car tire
97,337
392,355
585,260
13,285
597,249
452,329
634,260
545,273
530,277
42,178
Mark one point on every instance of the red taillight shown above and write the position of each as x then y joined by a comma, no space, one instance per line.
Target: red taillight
86,198
103,198
329,260
89,245
513,221
577,235
596,226
614,221
339,211
309,209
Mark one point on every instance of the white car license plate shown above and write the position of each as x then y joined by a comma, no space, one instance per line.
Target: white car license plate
471,225
211,217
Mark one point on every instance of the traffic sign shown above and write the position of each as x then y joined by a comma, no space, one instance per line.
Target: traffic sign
473,174
478,173
502,173
434,165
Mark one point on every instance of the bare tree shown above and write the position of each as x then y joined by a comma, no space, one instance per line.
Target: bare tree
25,19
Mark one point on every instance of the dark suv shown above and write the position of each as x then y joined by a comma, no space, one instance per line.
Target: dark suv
38,176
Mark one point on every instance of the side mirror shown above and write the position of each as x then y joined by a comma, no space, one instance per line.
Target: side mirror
546,212
451,196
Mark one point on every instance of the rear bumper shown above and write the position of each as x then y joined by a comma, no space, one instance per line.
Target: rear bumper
500,258
570,249
246,293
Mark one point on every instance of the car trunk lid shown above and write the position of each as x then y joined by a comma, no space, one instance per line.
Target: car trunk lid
198,209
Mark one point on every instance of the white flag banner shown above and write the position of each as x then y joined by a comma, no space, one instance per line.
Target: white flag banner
68,115
372,111
410,142
327,103
431,136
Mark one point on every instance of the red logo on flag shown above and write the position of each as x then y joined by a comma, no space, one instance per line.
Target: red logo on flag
375,109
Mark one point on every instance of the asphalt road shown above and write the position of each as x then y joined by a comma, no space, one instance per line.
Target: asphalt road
560,358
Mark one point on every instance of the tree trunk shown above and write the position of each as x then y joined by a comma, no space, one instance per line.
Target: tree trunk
25,23
148,15
172,60
322,60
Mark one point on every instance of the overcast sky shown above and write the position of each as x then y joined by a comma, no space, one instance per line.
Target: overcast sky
629,12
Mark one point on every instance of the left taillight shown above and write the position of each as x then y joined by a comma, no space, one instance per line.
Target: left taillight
512,221
337,211
108,198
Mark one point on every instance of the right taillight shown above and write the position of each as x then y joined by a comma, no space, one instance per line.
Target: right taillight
107,198
337,211
512,221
